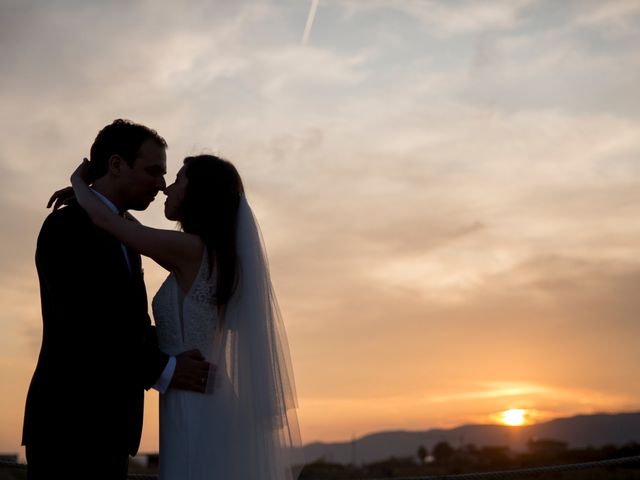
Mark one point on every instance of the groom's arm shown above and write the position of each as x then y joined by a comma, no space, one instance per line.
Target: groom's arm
186,371
66,263
158,367
163,382
81,293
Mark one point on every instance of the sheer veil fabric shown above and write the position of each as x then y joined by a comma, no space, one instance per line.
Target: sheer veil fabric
253,357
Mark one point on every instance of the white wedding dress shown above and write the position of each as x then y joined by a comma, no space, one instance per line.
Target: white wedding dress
194,427
245,426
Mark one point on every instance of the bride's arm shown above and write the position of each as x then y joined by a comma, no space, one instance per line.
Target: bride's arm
173,250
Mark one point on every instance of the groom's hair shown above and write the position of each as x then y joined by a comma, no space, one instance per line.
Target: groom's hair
121,137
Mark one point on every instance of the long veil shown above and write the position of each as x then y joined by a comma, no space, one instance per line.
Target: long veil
254,354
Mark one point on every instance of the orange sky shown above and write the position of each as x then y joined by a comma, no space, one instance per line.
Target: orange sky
448,191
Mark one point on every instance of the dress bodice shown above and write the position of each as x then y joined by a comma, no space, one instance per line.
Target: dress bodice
185,321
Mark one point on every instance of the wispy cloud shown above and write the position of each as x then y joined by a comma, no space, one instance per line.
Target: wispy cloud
490,391
450,18
613,14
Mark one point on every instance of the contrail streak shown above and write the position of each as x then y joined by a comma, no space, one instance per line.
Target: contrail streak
310,18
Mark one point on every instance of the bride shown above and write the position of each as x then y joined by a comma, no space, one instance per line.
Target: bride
218,298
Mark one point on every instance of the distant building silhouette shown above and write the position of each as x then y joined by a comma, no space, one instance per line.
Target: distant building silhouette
9,457
153,460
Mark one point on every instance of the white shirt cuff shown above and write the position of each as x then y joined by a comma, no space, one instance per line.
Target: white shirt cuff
167,374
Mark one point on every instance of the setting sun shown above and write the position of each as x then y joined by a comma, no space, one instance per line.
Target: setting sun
514,417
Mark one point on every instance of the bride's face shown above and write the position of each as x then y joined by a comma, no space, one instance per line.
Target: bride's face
175,195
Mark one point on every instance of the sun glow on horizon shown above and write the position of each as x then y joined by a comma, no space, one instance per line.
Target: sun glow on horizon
514,417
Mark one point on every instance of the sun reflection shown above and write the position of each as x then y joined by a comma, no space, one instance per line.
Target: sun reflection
514,417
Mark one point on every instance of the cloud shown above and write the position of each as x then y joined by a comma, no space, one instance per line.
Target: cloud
447,190
449,18
616,14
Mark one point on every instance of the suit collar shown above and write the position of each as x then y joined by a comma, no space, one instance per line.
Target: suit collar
107,202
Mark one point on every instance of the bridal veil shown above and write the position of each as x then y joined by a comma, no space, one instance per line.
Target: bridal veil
254,355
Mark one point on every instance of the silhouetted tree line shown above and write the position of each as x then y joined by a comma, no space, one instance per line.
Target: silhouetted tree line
444,459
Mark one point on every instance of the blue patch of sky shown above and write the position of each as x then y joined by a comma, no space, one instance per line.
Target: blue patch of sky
591,78
399,46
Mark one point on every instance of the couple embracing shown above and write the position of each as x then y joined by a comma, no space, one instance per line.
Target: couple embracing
218,354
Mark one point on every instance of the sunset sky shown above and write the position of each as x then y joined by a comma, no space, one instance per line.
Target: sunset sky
449,191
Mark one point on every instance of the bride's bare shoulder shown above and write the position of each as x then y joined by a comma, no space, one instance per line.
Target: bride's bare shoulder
187,267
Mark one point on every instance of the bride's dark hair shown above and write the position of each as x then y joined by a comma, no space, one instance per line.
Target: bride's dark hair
210,210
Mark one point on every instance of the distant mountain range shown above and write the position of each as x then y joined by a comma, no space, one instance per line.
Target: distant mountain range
579,431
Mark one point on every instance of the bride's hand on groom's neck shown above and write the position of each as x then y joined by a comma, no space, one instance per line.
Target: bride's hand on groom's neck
61,197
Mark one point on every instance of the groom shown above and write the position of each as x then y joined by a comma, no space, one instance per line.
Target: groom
84,409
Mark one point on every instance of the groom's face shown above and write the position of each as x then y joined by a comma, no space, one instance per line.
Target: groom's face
143,181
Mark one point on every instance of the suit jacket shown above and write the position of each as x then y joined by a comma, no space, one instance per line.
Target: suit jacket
99,350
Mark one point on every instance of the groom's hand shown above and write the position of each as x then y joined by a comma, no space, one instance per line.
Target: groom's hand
192,372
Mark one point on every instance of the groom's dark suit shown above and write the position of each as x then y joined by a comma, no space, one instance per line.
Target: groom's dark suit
99,350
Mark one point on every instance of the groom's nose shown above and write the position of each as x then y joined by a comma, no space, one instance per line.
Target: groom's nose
161,184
